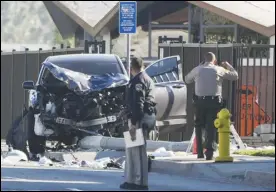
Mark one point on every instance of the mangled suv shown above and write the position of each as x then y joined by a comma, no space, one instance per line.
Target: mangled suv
84,94
76,96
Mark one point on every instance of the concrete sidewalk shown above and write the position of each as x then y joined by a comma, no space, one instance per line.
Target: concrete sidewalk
259,171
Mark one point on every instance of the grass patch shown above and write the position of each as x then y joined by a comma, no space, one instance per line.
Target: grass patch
259,152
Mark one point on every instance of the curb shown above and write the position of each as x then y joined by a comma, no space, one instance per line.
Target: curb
67,156
236,172
84,155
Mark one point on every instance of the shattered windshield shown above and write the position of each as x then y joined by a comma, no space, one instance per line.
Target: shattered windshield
90,68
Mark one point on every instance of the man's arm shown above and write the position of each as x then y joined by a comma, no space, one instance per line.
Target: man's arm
229,72
190,77
138,101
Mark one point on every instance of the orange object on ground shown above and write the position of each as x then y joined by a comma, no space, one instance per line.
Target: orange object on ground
252,113
194,146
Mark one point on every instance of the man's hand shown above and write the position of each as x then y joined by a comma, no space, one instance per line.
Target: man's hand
132,131
225,65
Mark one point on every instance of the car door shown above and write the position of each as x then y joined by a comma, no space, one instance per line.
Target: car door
170,92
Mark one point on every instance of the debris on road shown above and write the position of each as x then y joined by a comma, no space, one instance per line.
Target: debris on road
162,152
44,161
13,157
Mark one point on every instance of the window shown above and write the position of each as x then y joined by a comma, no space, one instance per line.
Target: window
164,70
90,67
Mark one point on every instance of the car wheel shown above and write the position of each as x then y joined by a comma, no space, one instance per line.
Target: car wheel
154,134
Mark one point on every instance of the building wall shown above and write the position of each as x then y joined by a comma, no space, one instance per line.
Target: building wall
105,34
79,37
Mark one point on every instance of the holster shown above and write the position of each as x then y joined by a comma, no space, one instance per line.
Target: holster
150,108
195,98
224,103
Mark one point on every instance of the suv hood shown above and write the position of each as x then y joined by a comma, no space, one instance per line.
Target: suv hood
82,83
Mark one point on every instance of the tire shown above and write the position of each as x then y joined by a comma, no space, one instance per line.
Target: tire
154,134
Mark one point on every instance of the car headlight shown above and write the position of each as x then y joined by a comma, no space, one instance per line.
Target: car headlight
33,99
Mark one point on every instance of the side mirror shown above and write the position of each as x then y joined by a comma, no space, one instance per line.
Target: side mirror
178,59
28,85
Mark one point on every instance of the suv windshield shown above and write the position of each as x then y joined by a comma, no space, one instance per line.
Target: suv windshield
90,67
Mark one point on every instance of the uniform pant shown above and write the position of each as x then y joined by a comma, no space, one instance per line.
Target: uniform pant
206,112
136,167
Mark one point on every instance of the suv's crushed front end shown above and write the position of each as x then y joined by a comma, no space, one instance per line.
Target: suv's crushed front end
67,105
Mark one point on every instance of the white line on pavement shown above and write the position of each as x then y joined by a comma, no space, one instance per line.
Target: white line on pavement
48,181
73,189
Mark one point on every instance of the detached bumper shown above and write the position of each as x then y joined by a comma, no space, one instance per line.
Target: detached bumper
100,121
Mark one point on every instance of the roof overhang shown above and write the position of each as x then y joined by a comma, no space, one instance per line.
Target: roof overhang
66,25
88,28
164,11
180,16
157,8
264,30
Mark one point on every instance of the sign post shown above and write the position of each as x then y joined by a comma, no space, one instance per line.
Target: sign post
128,24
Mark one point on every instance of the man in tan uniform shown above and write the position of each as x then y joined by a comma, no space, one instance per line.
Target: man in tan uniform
208,78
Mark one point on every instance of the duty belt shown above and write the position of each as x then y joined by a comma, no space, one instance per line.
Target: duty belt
209,97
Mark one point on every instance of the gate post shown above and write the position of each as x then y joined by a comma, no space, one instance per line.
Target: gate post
86,47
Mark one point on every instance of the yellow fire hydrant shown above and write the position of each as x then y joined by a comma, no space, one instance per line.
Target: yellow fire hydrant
222,123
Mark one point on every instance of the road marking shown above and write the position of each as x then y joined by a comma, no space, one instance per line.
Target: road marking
73,189
48,181
59,168
21,190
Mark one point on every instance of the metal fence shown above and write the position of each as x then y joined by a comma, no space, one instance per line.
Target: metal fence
16,67
252,98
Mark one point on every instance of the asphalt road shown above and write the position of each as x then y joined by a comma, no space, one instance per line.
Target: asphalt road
61,179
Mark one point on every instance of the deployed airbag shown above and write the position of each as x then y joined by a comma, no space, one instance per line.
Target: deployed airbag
82,83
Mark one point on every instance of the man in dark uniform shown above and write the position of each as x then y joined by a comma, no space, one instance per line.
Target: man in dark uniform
141,106
208,78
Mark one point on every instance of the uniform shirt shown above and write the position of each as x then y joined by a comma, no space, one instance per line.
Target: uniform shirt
139,95
209,77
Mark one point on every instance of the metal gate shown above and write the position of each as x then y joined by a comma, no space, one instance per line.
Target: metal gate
94,46
252,98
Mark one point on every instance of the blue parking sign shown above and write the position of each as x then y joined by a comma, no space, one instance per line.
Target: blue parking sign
128,17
